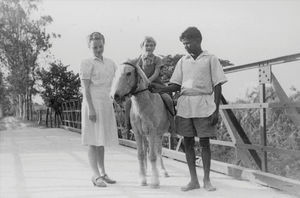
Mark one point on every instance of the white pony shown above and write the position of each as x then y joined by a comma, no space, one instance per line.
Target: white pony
148,116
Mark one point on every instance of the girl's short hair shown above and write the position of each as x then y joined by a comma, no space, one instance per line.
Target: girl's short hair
191,33
95,36
148,39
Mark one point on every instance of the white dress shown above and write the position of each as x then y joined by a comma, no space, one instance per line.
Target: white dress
103,132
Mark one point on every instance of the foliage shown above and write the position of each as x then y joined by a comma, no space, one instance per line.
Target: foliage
169,66
22,40
281,132
4,99
58,85
2,87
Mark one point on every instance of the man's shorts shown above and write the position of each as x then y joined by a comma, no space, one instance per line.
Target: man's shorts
191,127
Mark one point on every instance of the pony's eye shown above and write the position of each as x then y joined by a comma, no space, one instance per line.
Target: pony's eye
128,74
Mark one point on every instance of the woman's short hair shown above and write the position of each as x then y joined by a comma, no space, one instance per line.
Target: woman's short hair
95,36
191,33
148,39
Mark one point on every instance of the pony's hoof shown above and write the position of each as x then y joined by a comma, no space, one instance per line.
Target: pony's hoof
144,183
154,186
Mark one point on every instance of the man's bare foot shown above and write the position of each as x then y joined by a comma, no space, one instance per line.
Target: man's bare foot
208,186
190,186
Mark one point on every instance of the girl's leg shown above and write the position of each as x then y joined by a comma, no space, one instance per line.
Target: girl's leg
93,158
92,155
100,159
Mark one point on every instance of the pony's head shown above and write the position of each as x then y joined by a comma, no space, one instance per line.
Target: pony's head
128,80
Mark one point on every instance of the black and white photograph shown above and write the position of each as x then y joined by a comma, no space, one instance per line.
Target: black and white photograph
149,98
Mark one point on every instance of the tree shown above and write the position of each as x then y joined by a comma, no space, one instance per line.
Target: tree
22,40
5,105
58,85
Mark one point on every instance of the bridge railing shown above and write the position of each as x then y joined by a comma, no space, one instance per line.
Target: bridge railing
245,152
71,115
46,117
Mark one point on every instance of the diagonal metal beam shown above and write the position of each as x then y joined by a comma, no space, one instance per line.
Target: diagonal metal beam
290,111
239,136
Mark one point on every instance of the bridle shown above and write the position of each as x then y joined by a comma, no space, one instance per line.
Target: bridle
133,90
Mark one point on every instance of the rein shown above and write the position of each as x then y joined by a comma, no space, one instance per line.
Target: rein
133,89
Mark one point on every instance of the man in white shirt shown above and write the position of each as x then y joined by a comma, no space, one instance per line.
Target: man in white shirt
198,76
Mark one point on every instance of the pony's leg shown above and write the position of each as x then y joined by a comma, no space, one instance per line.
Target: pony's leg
141,158
159,154
146,151
153,158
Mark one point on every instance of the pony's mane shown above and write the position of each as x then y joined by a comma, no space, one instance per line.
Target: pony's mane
140,72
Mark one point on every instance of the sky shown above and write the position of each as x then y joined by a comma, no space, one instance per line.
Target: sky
242,31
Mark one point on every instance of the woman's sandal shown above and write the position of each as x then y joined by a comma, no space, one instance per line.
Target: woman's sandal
98,181
107,179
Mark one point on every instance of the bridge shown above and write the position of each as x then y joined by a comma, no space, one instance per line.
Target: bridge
36,161
51,162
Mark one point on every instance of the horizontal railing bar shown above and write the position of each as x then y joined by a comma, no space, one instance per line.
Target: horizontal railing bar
222,143
260,148
261,105
273,61
70,121
268,148
245,106
68,111
283,104
217,142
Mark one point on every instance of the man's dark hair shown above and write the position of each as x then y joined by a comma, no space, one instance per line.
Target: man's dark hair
191,33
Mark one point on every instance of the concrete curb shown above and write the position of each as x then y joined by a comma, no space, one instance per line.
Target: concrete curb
267,179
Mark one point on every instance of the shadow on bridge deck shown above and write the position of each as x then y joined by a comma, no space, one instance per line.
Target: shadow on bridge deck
41,163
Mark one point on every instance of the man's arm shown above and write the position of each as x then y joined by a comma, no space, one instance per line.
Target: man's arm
217,93
170,88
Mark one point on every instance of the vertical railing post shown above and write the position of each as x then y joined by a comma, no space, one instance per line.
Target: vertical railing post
169,142
263,127
39,116
264,77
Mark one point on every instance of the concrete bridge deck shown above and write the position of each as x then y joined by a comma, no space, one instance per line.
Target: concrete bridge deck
40,163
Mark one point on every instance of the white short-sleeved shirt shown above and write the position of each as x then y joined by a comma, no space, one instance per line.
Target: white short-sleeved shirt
100,72
197,79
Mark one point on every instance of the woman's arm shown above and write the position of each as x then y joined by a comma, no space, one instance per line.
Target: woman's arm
92,112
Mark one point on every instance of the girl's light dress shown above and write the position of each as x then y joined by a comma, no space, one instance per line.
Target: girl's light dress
103,132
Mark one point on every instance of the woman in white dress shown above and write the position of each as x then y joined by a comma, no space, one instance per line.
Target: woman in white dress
99,128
